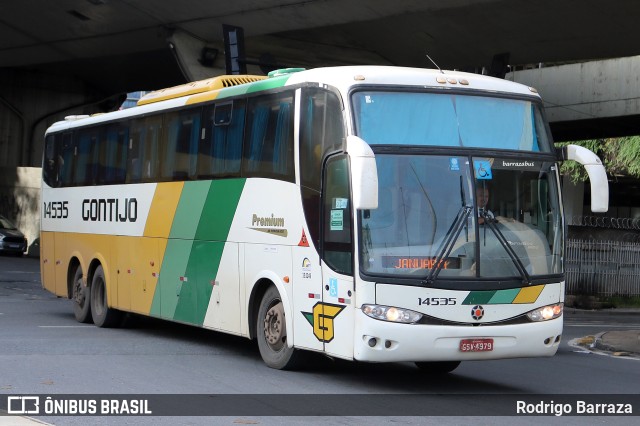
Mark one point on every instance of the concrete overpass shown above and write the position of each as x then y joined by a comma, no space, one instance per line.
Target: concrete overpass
80,56
589,100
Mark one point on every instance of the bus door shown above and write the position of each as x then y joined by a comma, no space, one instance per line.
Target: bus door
335,318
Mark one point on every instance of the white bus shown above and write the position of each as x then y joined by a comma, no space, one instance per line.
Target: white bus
369,213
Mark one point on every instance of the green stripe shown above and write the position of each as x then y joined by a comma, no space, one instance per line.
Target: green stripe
212,231
197,239
269,83
169,287
233,91
201,270
189,211
495,297
169,290
504,296
478,297
219,209
258,86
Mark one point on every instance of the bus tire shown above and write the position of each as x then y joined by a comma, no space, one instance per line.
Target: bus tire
80,295
103,316
438,367
271,332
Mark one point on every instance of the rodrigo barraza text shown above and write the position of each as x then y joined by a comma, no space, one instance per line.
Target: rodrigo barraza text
577,407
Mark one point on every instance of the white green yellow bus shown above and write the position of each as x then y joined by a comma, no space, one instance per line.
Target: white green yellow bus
369,213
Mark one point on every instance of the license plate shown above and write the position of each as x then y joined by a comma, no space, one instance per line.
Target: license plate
476,345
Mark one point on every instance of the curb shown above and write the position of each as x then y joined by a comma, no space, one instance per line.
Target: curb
607,311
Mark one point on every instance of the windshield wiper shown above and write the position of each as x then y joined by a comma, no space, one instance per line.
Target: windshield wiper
448,243
491,222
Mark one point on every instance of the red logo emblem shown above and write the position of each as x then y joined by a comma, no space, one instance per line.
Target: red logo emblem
477,312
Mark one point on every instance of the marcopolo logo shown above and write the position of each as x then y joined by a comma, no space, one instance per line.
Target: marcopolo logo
477,312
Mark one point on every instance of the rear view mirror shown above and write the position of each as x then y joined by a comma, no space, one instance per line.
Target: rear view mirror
364,174
595,170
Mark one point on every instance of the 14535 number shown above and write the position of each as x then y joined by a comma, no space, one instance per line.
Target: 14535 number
437,301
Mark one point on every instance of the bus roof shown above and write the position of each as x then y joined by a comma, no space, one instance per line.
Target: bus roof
343,78
348,76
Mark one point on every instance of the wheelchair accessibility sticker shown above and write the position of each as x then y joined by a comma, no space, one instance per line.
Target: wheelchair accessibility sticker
482,169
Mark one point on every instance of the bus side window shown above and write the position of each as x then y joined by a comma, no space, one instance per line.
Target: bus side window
52,163
321,132
115,157
234,137
180,145
220,151
152,142
68,157
268,150
87,148
144,141
337,246
136,138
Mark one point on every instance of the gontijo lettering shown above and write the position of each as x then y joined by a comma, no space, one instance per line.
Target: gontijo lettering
109,210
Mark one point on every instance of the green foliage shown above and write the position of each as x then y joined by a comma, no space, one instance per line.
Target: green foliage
621,302
624,156
620,156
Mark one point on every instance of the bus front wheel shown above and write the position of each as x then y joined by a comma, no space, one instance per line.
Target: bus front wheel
438,367
271,333
80,295
103,316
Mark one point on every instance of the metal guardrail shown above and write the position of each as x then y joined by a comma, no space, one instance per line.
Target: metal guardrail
602,268
628,223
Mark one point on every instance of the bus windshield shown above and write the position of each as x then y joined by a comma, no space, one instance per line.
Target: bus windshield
464,216
447,119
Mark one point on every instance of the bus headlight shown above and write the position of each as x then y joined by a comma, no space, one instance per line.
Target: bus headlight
546,313
392,314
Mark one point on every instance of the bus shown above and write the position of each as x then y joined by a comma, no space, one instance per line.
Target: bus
369,213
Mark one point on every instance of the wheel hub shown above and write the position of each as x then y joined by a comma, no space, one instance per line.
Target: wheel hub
274,327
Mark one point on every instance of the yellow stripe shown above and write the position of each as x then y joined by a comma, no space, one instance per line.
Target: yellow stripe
202,97
163,209
529,294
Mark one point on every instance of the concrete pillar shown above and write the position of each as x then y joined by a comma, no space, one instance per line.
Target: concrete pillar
20,201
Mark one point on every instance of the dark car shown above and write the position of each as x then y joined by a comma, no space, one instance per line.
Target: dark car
11,240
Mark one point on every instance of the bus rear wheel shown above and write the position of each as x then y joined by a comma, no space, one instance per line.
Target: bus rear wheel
103,316
271,333
438,367
80,295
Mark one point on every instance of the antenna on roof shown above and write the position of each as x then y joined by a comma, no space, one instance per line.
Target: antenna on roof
434,63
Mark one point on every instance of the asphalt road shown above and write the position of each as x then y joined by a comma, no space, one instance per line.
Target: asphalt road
44,351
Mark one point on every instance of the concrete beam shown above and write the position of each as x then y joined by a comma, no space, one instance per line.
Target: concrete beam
591,92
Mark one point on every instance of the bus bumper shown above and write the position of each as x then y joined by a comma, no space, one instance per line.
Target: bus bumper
381,341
